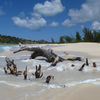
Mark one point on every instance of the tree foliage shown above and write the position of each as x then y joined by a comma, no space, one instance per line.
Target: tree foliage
68,39
61,39
88,36
78,37
65,39
52,40
15,40
91,35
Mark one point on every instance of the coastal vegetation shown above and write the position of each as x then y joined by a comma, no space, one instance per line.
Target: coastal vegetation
86,36
15,40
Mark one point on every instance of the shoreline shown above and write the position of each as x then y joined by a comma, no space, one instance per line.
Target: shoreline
82,90
89,49
51,43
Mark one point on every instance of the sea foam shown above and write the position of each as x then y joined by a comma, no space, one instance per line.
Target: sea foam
68,84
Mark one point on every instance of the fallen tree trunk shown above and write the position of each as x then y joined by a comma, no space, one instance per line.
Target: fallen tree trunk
51,57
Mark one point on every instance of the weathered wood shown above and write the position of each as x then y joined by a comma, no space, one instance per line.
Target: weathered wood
9,62
51,57
87,63
81,69
5,70
12,67
38,73
75,59
55,61
15,71
25,74
49,78
94,64
72,65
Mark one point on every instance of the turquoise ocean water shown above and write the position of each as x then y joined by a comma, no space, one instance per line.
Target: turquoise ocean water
6,47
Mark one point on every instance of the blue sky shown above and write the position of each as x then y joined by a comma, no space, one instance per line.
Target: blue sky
46,19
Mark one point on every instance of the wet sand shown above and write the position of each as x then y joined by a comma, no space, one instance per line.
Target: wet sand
80,92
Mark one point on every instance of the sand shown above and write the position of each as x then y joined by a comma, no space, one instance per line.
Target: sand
80,92
77,92
86,92
91,50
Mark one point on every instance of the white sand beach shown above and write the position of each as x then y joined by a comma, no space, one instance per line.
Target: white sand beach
84,49
68,83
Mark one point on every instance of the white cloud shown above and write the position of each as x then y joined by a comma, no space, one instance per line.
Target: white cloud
54,24
68,23
30,23
49,8
36,15
96,25
90,11
36,21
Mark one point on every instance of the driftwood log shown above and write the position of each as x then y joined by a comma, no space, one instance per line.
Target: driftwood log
49,78
37,51
82,67
94,64
87,62
12,67
25,73
9,63
75,59
38,73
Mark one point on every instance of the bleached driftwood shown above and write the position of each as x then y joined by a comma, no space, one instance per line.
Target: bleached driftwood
37,51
